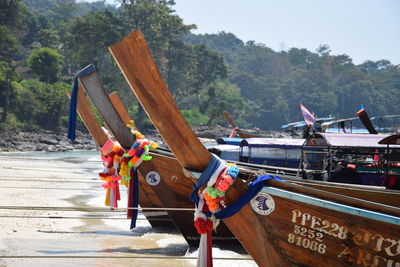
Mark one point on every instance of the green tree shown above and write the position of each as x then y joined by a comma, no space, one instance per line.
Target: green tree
7,75
64,10
41,104
48,38
323,50
209,67
8,49
46,63
8,44
90,35
158,22
10,12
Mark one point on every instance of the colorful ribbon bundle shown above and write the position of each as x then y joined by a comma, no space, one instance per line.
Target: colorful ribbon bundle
120,167
213,196
218,177
138,153
111,155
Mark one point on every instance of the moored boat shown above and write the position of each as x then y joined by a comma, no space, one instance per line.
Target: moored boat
284,224
147,197
162,177
349,158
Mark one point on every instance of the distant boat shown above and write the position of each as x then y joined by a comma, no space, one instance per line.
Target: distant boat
365,156
286,224
319,157
236,130
283,152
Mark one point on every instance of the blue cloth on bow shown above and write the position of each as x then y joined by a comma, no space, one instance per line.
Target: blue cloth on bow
204,177
252,190
135,200
74,99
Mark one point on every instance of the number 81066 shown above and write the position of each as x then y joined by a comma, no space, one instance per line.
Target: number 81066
307,243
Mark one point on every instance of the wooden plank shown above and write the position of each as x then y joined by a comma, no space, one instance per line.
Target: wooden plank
387,197
89,119
95,90
228,118
176,132
119,106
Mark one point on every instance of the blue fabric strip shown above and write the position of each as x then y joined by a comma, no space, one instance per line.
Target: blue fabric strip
135,200
74,99
204,177
252,190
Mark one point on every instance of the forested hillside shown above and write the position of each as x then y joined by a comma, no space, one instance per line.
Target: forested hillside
43,43
327,84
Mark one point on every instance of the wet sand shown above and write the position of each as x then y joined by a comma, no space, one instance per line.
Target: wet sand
31,238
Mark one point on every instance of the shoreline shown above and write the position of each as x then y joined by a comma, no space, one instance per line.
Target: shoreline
54,180
49,141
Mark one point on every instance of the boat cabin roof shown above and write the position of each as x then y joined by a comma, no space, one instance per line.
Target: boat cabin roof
346,140
229,140
391,140
273,142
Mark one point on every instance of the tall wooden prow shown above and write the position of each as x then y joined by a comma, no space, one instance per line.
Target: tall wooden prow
156,99
136,63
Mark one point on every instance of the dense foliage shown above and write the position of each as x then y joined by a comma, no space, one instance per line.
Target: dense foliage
43,43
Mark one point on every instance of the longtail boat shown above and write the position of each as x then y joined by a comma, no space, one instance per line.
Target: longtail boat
284,224
377,194
147,197
236,130
162,178
231,153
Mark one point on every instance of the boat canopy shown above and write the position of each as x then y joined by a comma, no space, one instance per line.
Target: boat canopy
284,143
391,140
229,140
346,140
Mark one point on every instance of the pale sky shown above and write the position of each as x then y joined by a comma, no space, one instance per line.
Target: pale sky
362,29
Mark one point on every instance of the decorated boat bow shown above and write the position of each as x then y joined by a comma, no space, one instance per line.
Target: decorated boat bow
306,227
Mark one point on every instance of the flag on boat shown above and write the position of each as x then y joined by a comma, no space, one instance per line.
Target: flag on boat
307,115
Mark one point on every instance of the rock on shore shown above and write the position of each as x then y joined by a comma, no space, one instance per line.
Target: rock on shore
55,142
44,141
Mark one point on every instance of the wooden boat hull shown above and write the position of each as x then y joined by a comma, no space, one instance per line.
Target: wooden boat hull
169,192
173,190
147,198
369,193
307,231
354,232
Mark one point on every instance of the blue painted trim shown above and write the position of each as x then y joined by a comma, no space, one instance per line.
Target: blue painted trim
332,205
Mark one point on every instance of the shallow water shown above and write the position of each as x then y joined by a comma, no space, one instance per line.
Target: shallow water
69,179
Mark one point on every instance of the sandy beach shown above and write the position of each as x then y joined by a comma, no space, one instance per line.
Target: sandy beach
77,238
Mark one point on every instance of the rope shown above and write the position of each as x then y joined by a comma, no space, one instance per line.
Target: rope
88,177
74,217
41,170
114,257
89,209
54,181
55,188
